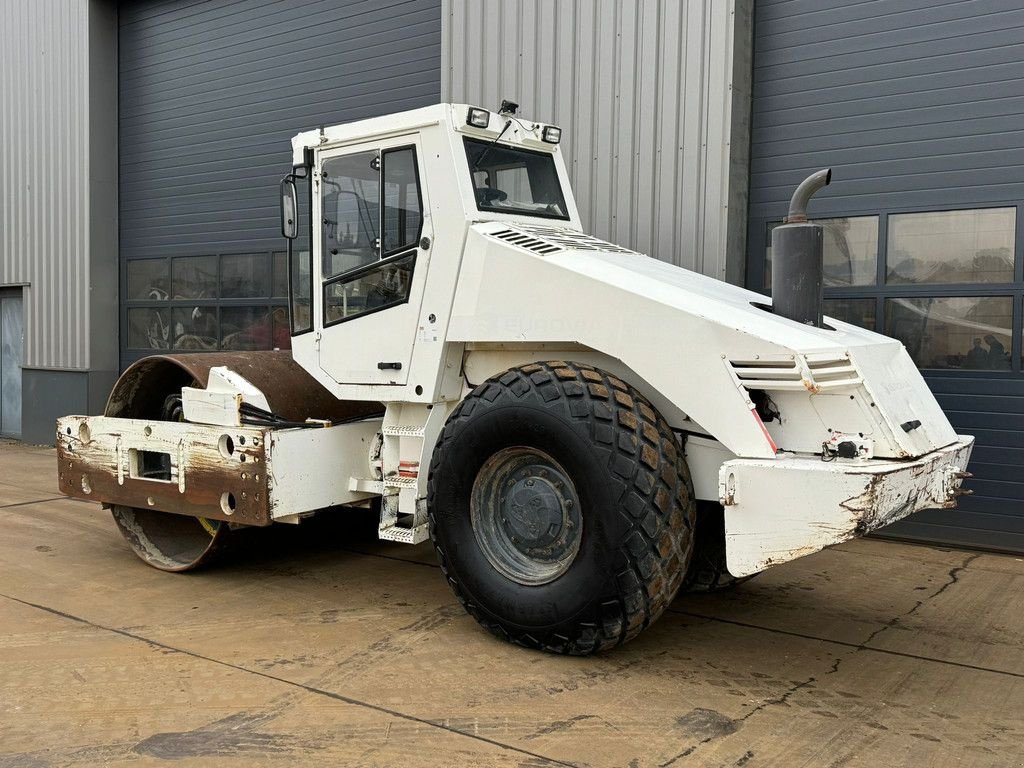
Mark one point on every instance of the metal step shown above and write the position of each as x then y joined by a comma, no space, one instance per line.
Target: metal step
405,535
402,431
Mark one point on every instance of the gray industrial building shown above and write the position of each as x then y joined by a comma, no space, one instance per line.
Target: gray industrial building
141,144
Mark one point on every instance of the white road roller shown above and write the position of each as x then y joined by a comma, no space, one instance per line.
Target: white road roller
580,429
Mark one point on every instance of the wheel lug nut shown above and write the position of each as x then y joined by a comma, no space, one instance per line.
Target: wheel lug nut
529,483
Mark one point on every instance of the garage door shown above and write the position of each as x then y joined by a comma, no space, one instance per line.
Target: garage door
211,93
918,108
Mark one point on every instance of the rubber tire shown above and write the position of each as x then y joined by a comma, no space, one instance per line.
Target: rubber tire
708,571
634,488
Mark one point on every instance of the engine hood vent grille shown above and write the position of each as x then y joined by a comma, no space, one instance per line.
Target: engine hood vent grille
545,240
814,373
526,241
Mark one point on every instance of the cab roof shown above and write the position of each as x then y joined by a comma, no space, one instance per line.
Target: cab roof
452,115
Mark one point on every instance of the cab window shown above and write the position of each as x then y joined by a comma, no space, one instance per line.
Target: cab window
350,212
513,180
372,220
402,212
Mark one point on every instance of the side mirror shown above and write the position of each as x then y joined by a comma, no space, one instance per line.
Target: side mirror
289,208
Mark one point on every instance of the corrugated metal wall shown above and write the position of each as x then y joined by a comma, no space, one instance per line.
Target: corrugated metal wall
44,173
648,94
916,105
211,94
911,103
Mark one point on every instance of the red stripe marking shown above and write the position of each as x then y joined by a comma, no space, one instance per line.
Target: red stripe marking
764,430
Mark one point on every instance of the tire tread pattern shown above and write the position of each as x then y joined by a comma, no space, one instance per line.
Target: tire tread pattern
653,492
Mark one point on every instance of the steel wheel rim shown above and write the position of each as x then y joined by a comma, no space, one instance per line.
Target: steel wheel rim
526,515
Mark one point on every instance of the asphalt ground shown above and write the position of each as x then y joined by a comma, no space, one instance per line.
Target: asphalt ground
318,645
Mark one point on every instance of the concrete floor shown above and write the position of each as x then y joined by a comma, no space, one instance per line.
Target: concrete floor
318,645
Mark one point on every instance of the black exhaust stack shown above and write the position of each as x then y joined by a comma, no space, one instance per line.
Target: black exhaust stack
797,261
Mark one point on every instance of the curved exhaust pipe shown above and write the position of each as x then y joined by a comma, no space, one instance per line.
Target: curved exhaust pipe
797,258
804,193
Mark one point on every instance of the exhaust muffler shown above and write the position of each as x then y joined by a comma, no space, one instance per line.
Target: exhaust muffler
797,258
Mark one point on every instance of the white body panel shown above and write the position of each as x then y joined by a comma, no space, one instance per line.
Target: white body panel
310,469
219,402
689,336
781,509
705,458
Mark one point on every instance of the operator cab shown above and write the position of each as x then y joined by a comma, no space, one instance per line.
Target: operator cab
377,211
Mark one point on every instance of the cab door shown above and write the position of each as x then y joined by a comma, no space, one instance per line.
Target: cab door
372,212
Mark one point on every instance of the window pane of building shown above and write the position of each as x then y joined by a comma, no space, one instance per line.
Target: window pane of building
244,276
194,277
850,250
194,328
279,324
853,311
149,328
279,280
246,328
951,247
971,333
148,279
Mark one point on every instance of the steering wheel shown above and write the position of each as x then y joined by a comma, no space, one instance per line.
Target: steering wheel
487,195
